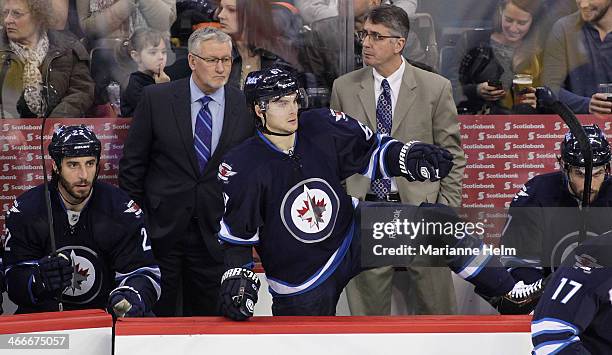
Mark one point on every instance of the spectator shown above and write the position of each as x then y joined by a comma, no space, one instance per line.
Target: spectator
325,39
147,49
66,18
258,43
178,187
578,57
103,253
488,60
393,97
44,72
118,19
315,10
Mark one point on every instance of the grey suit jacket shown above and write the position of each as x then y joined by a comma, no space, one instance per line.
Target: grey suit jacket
425,112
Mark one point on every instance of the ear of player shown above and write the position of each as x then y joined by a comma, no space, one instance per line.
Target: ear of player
53,275
125,301
420,161
238,294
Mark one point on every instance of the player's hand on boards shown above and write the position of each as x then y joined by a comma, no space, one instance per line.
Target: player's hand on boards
53,275
238,294
421,161
125,301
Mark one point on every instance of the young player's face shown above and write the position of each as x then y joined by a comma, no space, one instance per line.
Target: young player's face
151,58
282,114
576,181
593,10
76,177
379,52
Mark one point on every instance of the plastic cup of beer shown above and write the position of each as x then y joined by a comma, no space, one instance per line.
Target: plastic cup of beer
520,85
607,90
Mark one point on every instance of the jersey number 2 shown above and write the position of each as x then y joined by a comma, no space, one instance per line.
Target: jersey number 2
570,294
145,245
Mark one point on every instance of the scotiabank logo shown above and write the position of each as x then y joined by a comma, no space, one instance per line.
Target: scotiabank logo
530,155
107,166
607,126
30,157
481,156
30,137
107,126
5,147
481,136
6,127
5,167
532,174
30,177
507,185
107,146
507,165
481,175
531,136
557,145
507,126
6,187
481,196
507,146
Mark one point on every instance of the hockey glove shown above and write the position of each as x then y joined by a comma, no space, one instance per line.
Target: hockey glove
421,161
239,287
522,299
53,275
125,301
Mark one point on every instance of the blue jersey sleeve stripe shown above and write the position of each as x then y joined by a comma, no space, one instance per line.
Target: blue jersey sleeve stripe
226,235
474,266
552,325
553,347
370,170
381,159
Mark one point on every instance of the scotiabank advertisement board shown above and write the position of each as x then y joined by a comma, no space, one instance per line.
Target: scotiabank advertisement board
502,153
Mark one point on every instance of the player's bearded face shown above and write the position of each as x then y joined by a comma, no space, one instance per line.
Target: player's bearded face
76,178
576,181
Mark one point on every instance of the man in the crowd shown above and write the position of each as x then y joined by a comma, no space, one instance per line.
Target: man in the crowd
578,57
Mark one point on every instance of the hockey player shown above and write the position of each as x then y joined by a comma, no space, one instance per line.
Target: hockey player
283,194
544,217
574,315
103,253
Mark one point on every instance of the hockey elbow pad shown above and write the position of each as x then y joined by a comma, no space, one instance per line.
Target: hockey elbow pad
238,294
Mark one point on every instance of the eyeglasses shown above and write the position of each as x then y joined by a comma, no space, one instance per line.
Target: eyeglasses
213,61
375,36
16,14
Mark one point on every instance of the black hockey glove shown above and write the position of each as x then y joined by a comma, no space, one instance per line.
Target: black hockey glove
521,300
53,275
421,161
239,287
125,301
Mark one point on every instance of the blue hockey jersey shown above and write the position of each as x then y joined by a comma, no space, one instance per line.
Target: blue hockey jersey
108,246
291,205
543,224
574,315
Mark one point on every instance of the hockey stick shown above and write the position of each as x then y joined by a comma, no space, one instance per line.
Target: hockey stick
547,99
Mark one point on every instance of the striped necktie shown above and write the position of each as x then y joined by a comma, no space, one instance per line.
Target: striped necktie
203,133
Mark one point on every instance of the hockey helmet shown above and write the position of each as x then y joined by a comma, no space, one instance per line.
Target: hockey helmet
265,85
73,141
572,155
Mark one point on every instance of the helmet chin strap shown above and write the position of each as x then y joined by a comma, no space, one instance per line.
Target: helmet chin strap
264,128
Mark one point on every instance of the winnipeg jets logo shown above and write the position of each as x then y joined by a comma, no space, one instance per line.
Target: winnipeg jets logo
87,277
225,171
132,207
83,276
309,210
313,210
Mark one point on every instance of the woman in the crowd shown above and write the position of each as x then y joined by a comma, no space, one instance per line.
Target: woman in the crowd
488,60
257,42
147,51
42,72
